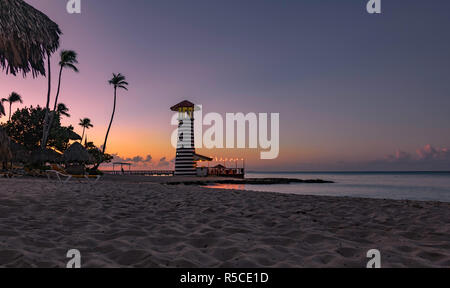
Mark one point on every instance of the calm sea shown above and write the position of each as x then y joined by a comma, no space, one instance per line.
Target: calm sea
433,186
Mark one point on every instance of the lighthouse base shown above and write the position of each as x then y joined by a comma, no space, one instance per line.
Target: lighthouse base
185,164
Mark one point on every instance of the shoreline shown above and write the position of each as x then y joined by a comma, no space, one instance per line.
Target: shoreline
148,224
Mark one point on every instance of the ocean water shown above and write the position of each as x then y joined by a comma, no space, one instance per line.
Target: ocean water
424,186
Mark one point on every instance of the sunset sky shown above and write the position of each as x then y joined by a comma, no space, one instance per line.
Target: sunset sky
354,91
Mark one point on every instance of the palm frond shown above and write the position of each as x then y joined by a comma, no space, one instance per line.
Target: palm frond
27,37
14,97
69,59
119,81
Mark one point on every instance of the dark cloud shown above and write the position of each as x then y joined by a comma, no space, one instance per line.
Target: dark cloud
135,159
428,153
425,158
163,162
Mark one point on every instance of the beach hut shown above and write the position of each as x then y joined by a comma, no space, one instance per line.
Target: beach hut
27,36
76,157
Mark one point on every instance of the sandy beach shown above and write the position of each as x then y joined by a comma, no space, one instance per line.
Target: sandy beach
117,223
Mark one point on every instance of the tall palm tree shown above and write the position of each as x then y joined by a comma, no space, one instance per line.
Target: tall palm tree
13,98
2,109
86,124
118,81
47,105
62,110
68,60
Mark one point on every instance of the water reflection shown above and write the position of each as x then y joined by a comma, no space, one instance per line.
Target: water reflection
227,186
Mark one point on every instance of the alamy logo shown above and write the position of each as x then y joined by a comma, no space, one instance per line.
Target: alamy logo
374,7
73,7
375,258
236,134
75,259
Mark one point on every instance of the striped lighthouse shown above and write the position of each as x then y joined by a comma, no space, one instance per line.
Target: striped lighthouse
185,164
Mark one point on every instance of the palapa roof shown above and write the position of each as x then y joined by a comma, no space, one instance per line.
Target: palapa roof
27,36
183,104
198,157
220,166
76,153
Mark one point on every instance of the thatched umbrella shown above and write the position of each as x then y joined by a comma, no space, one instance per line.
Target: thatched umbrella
76,153
5,150
43,156
27,37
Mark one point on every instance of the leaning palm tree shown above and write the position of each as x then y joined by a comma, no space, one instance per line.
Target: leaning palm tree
2,109
68,60
86,124
13,98
118,81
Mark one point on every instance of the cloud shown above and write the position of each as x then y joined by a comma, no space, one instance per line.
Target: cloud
163,162
399,156
135,159
425,158
430,153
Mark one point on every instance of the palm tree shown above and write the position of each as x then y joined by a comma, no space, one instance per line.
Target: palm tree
68,60
47,106
2,109
86,124
118,81
62,110
13,98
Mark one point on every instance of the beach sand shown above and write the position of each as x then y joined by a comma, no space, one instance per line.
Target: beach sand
125,224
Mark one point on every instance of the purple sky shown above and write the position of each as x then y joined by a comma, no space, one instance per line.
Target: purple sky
350,87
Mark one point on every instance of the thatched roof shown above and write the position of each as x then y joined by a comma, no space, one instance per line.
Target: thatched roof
26,37
198,157
5,144
183,104
220,166
42,156
77,154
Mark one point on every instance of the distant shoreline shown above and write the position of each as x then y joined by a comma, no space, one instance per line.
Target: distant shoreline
348,172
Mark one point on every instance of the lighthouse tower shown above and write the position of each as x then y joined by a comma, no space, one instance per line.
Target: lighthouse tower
185,164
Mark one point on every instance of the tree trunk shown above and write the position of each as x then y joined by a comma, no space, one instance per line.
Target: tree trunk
10,105
109,128
59,87
52,116
112,118
47,106
82,136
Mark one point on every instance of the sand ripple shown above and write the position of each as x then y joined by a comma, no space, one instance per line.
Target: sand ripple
118,224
